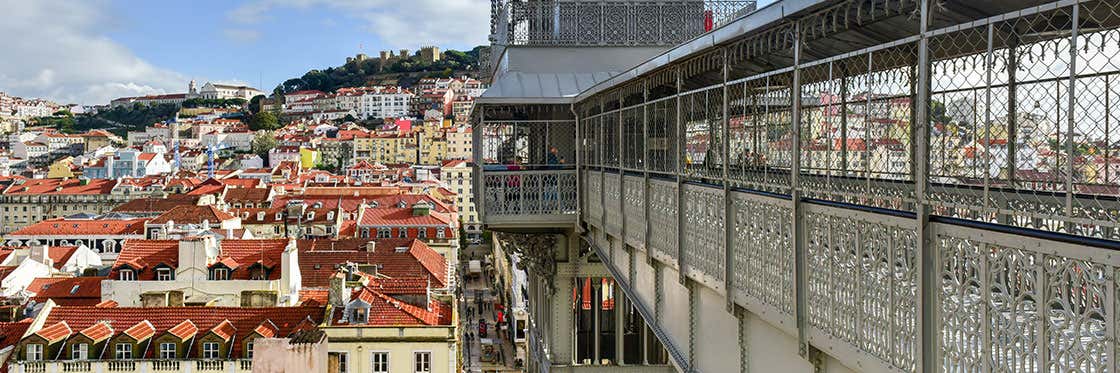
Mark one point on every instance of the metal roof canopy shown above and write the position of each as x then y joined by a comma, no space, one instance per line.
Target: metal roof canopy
540,88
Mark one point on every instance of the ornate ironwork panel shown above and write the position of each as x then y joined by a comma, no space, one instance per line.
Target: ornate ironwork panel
635,200
663,215
704,227
612,191
762,250
594,206
862,282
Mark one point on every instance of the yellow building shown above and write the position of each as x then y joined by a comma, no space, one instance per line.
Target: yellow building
308,157
63,168
456,174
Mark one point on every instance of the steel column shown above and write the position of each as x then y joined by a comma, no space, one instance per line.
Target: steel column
800,266
728,229
927,278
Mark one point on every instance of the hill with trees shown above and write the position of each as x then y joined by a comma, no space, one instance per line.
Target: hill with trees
406,71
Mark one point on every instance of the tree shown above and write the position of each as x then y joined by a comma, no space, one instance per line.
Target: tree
262,143
264,120
255,104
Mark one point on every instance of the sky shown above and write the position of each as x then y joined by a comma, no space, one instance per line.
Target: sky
91,51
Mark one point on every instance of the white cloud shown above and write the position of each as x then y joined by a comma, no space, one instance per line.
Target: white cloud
399,24
55,49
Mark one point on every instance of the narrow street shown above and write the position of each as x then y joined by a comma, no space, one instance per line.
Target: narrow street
487,346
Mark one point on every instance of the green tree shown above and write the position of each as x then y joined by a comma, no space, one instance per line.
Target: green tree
262,143
255,104
264,120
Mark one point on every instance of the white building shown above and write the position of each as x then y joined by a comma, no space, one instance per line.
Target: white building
386,102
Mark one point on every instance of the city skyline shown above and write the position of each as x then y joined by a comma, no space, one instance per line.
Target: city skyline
135,48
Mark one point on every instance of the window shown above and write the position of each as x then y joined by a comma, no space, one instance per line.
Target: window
123,351
209,350
342,361
423,361
440,233
219,274
276,229
402,232
33,352
422,232
249,350
164,274
360,315
379,361
79,351
128,275
384,233
167,350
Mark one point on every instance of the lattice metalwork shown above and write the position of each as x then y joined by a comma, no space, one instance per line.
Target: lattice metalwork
703,215
1006,304
663,216
594,207
612,193
529,143
530,193
661,141
862,282
759,133
634,197
588,23
762,251
702,121
633,138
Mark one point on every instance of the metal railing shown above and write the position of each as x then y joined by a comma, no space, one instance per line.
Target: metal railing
607,23
136,365
939,202
524,193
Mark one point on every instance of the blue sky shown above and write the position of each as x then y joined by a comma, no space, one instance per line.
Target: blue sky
90,51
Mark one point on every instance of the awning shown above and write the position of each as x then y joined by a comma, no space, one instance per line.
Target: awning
540,88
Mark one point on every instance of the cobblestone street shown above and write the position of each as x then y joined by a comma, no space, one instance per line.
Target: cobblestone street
487,345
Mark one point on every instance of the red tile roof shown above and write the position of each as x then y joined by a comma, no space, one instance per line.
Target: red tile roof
11,332
393,216
143,255
141,330
98,332
224,330
317,264
61,186
388,311
190,214
286,319
266,329
184,330
64,227
67,291
150,205
57,331
313,296
247,194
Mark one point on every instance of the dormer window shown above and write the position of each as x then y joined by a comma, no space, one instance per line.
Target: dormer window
260,216
402,232
33,352
423,233
164,274
219,274
360,315
127,275
330,215
311,215
440,233
279,216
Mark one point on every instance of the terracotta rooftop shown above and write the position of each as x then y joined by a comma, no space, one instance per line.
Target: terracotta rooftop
57,331
184,330
388,311
239,255
98,332
67,291
162,319
317,264
141,330
393,216
224,330
152,205
191,214
61,186
76,227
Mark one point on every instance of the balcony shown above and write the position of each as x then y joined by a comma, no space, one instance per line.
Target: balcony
528,179
102,366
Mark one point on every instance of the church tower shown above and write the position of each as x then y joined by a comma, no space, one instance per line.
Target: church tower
192,90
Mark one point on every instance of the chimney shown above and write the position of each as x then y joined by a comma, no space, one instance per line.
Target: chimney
41,254
337,294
